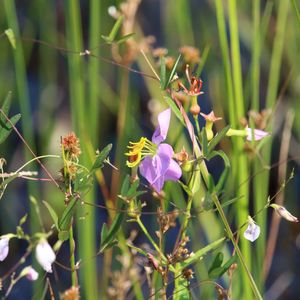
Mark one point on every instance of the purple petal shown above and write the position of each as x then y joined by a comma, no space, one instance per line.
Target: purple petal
258,134
252,232
174,171
154,168
161,131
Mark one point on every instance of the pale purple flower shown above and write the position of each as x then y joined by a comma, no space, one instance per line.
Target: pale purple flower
284,213
4,247
256,134
161,167
30,273
253,230
45,255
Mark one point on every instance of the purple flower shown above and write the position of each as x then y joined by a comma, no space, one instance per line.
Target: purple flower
160,166
257,134
155,159
4,247
253,230
284,213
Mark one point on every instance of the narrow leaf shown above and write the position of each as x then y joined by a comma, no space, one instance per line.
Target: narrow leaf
11,37
217,261
115,226
8,180
63,235
65,222
163,72
175,109
219,271
52,213
221,154
113,33
213,143
101,157
7,128
23,220
173,71
203,251
125,38
5,108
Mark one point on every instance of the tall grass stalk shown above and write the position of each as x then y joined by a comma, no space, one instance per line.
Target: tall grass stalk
80,118
93,71
261,183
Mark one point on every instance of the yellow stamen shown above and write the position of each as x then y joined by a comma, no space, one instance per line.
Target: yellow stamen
137,150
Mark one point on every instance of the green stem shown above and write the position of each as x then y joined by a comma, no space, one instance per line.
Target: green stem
145,231
187,216
236,247
72,257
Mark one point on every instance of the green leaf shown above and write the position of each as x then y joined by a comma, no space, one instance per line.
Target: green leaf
173,71
207,202
65,222
113,230
203,251
204,142
175,109
11,37
217,262
163,73
125,185
101,157
52,213
8,180
221,154
83,182
104,232
124,38
222,180
23,220
5,108
181,291
63,235
196,180
218,137
5,129
219,271
113,33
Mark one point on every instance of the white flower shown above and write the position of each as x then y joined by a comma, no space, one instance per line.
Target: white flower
4,247
45,255
30,273
253,230
283,212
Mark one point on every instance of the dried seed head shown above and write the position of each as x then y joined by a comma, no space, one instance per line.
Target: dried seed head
71,294
160,52
188,274
190,54
71,146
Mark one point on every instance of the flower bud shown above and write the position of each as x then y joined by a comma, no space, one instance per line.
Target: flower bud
284,213
45,255
4,247
30,273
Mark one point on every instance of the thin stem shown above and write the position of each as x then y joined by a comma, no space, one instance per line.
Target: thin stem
72,256
236,247
145,231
